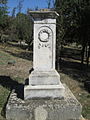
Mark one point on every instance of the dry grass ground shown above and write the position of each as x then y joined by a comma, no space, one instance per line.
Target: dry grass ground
15,64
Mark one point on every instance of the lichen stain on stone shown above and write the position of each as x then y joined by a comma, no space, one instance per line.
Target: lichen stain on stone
40,113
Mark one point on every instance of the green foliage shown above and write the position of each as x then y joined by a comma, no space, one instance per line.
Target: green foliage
3,12
17,27
85,100
4,19
66,21
3,96
73,16
3,2
73,24
4,58
23,27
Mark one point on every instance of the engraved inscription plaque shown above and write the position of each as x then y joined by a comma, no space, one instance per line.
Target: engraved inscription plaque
44,49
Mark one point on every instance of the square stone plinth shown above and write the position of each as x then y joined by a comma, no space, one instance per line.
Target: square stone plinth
67,108
44,84
42,91
51,77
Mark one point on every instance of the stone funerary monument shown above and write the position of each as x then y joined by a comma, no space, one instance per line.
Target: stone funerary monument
44,81
45,98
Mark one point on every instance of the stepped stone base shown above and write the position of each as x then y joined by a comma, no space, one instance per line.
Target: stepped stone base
67,108
44,91
44,84
44,78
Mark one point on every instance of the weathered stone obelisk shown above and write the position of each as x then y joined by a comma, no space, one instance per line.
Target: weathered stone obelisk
44,81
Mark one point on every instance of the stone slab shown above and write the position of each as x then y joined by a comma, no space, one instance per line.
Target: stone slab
43,91
44,78
36,15
44,84
67,108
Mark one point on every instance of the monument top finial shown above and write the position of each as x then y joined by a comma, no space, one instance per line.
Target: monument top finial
43,14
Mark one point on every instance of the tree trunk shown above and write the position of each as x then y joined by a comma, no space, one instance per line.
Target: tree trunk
86,52
57,61
88,56
82,54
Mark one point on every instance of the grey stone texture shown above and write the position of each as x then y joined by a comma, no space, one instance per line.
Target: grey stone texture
44,78
44,84
66,108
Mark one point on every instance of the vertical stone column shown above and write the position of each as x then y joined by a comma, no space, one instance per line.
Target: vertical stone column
44,44
44,81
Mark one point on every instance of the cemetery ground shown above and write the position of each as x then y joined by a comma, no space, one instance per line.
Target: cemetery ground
16,62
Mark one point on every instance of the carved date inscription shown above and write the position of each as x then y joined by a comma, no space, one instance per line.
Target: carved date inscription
43,45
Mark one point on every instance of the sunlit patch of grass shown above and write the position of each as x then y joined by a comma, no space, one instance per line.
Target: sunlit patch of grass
85,101
82,95
3,95
4,58
86,112
18,79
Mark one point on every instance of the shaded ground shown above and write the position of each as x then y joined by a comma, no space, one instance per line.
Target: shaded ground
74,75
15,64
14,70
70,65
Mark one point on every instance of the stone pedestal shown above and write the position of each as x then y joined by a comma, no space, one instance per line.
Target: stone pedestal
44,81
44,84
67,108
